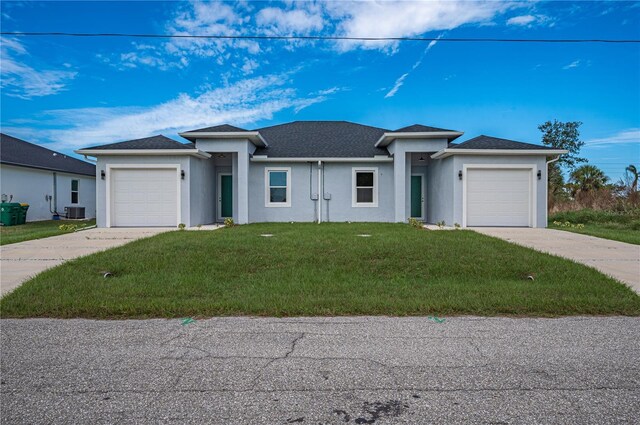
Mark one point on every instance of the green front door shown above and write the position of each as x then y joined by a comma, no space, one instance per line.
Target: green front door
226,196
416,196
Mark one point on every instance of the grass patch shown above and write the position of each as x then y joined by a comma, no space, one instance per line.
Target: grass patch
327,269
37,230
617,226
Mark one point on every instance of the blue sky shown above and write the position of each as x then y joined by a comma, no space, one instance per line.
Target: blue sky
67,93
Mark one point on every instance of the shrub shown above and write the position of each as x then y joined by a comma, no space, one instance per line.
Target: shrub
414,222
181,226
228,222
68,227
441,224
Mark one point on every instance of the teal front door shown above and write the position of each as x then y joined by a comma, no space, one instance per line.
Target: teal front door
226,196
416,196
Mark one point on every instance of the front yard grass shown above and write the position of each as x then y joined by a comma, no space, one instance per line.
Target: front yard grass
311,269
623,227
37,230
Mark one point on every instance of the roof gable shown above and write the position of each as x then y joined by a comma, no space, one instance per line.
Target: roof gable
419,128
223,128
18,152
488,142
318,139
153,142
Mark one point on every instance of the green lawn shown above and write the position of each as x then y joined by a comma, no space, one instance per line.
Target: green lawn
37,230
623,227
327,269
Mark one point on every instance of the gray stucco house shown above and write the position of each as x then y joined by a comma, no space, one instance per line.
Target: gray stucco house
52,183
321,171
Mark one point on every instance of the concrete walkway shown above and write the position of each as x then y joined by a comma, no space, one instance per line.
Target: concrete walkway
23,260
616,259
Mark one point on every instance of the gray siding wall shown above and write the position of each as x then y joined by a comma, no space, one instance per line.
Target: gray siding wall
203,188
337,184
440,181
540,185
31,185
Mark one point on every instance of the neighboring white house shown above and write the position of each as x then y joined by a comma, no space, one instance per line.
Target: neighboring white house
46,180
321,171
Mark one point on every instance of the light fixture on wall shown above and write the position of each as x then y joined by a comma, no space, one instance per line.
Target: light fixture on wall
539,175
459,174
102,174
182,174
421,159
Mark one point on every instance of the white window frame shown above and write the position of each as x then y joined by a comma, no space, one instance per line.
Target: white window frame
354,188
267,187
76,191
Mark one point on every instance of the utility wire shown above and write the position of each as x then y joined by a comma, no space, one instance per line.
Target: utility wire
322,37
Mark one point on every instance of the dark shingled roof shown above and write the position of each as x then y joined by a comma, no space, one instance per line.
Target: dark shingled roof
419,128
488,142
15,151
315,139
153,142
224,128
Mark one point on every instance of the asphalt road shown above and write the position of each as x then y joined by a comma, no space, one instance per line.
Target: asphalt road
321,371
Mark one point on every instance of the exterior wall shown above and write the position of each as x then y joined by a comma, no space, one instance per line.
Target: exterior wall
101,185
202,187
539,163
31,185
337,185
402,151
440,182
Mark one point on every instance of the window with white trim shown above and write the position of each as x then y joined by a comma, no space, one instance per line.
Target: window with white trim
277,187
365,187
75,191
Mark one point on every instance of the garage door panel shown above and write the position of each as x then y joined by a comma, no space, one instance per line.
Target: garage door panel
498,197
144,197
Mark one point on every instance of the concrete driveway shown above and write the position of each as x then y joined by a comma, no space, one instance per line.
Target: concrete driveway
616,259
23,260
342,370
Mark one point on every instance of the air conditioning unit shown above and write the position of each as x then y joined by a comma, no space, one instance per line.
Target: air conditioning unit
74,212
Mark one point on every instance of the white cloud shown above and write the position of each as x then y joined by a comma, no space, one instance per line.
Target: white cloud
289,22
243,102
249,66
530,20
21,80
573,64
406,19
628,136
400,81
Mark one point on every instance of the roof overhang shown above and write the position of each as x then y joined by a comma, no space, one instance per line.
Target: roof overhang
377,158
143,152
509,152
387,138
56,170
253,136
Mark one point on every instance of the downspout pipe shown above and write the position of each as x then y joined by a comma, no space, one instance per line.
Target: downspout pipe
319,192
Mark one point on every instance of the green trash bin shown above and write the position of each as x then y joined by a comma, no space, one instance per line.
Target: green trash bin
9,213
22,213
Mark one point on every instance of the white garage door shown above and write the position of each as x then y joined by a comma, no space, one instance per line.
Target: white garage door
144,197
498,197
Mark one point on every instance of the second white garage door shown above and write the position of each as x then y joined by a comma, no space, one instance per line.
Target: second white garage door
145,197
499,197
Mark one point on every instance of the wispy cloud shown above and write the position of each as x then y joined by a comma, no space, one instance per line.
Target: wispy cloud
624,137
400,81
18,79
530,20
574,64
243,102
403,19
